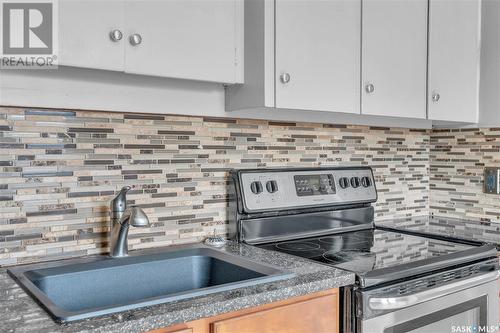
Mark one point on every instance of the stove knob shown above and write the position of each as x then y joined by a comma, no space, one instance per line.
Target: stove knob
355,182
366,181
344,182
272,186
256,187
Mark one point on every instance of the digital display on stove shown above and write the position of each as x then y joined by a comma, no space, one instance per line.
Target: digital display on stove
307,185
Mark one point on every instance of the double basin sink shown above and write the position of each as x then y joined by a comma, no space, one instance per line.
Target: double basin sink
81,288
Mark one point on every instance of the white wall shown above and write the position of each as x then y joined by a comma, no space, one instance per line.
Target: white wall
489,102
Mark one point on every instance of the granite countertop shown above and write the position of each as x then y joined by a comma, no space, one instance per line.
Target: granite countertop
468,230
20,313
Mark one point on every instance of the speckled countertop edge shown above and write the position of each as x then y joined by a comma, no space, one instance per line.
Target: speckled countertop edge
20,313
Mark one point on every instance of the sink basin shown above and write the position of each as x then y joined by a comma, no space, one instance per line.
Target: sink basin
81,288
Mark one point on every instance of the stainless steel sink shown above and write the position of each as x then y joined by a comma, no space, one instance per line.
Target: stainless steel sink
81,288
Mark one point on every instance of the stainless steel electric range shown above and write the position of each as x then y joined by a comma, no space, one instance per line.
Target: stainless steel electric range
404,283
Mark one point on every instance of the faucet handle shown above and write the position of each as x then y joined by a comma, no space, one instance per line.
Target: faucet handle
119,203
138,217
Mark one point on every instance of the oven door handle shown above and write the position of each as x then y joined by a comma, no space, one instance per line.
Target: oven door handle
393,303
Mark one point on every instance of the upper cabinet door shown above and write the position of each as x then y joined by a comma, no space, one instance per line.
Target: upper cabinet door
89,34
318,54
454,55
394,58
195,39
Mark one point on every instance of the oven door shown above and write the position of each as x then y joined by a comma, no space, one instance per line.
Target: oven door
455,307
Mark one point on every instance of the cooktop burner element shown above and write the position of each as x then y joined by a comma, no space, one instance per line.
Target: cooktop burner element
362,260
297,246
330,239
338,257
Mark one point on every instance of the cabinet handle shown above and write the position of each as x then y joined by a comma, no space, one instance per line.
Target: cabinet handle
135,39
370,88
285,78
435,97
115,35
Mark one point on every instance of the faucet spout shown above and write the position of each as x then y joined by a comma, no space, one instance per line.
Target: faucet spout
119,204
134,216
121,219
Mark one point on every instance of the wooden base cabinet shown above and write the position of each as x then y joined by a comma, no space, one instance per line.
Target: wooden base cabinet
318,312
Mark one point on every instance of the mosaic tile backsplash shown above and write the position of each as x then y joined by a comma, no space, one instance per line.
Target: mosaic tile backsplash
60,168
457,161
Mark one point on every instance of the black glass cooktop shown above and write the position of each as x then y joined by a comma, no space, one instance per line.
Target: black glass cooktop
377,255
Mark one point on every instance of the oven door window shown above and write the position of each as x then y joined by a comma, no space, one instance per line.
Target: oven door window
468,314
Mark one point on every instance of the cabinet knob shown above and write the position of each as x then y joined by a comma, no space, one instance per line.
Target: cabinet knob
370,88
285,78
115,35
435,97
135,39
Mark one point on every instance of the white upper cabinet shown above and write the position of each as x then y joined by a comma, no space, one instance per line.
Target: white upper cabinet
394,58
195,39
188,39
454,55
91,34
300,55
414,59
318,55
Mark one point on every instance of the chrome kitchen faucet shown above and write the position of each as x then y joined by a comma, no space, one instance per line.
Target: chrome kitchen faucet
121,218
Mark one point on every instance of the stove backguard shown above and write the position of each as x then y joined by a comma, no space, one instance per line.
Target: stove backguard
289,227
268,205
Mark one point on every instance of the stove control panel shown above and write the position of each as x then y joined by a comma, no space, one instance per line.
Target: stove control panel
320,184
279,189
